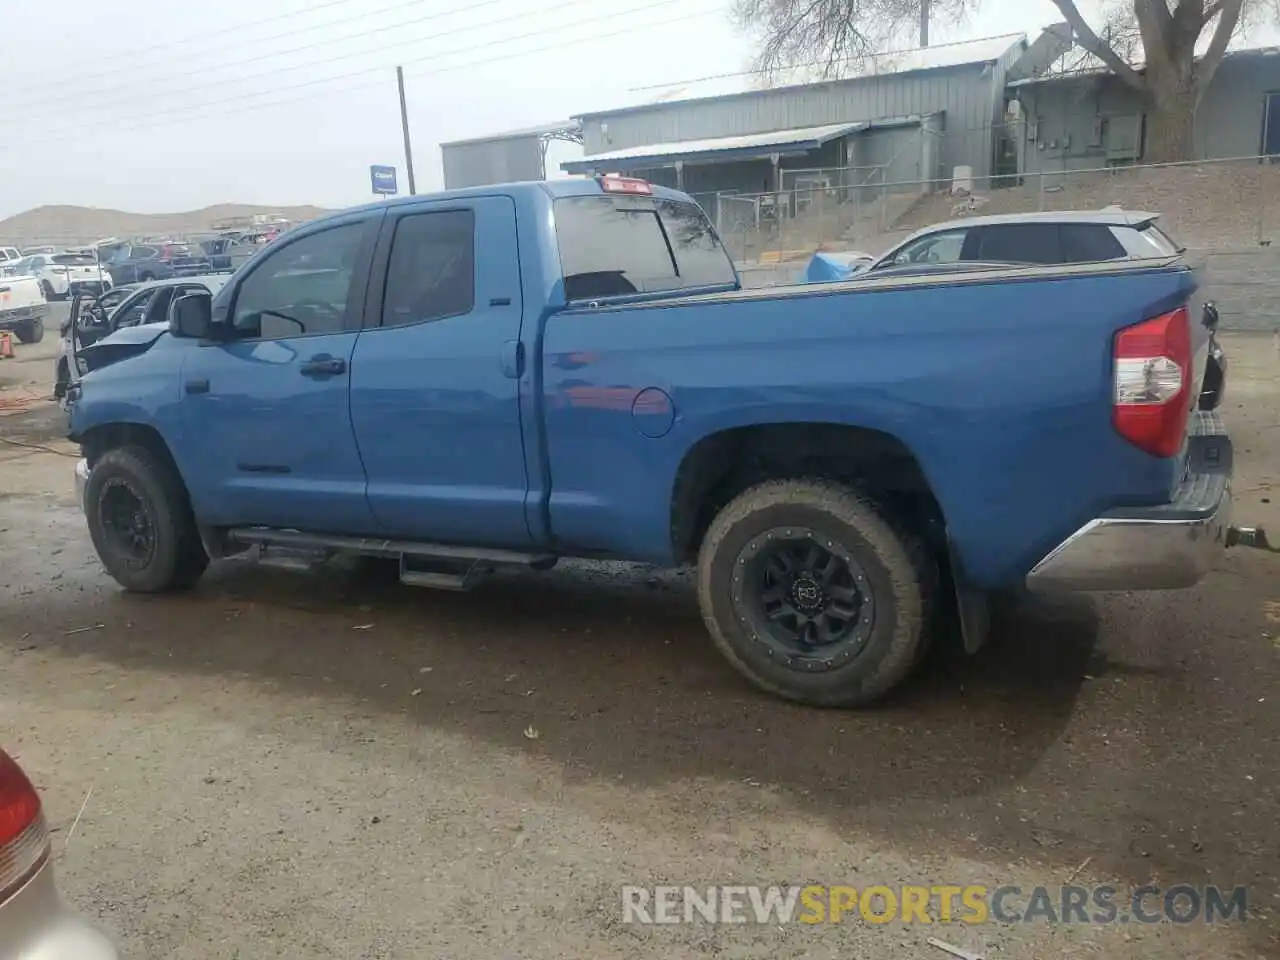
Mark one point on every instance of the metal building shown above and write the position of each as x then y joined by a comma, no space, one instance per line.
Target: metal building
1088,118
503,157
915,116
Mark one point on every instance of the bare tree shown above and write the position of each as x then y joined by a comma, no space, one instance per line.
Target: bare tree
1166,50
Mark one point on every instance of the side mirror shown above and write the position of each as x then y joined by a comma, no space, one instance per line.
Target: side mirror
192,316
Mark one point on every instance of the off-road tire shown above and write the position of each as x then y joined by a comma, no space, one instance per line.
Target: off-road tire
179,558
30,332
901,574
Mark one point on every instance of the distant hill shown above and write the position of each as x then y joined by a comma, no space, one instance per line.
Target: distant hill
65,225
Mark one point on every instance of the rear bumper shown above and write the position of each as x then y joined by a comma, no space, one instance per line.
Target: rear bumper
13,319
38,925
1166,547
95,288
82,480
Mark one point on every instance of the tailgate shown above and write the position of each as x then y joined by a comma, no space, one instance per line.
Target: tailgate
19,292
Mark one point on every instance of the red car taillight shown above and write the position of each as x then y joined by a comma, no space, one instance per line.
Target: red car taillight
1153,379
24,838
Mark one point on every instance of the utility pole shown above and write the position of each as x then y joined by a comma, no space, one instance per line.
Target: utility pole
924,22
404,126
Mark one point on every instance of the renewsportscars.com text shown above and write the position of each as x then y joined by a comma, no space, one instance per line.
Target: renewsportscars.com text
972,904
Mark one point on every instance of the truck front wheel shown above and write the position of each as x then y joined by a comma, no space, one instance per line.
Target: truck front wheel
812,594
141,522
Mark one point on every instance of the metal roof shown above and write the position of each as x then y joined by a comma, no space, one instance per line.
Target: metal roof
745,147
752,83
543,130
1090,66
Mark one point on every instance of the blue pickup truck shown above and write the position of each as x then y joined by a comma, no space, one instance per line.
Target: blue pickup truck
511,375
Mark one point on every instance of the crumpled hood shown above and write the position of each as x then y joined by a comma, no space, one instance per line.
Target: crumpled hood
124,343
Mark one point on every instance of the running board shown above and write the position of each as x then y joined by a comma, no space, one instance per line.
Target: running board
439,566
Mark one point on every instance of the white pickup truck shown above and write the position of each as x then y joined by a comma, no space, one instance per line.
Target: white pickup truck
23,307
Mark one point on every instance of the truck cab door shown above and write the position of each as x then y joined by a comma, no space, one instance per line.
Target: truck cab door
438,372
267,436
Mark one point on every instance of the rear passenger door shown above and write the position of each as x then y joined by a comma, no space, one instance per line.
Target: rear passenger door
1037,243
437,372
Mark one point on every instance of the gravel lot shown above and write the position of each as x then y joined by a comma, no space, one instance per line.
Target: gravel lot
284,764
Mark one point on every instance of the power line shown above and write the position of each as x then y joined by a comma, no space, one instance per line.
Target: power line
241,106
80,98
205,35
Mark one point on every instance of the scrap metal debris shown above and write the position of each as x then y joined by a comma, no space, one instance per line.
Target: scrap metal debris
953,950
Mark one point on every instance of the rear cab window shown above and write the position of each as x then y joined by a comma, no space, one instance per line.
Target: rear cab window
619,245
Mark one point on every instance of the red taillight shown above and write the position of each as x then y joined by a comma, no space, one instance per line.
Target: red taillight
1153,378
613,184
24,839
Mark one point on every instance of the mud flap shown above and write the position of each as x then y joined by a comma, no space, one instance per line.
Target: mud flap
973,606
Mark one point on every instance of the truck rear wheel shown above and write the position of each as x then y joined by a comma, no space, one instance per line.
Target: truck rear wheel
141,522
30,332
812,594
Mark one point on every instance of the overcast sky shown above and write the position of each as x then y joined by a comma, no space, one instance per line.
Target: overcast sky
180,105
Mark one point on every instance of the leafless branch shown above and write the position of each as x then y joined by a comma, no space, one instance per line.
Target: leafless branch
1089,39
839,34
1228,22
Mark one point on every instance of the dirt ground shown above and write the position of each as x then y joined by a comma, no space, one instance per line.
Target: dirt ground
283,764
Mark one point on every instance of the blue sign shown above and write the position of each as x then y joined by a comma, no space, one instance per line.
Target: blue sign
383,180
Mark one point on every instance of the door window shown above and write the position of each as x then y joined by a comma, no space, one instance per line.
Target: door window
431,274
131,313
300,289
1019,243
936,248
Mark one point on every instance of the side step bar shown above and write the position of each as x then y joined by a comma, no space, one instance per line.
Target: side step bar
436,565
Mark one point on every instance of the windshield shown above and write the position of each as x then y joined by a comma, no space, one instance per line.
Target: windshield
613,246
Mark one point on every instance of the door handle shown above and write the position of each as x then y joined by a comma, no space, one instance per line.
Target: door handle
323,365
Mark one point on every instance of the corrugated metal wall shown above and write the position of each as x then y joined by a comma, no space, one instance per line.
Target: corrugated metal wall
1228,124
482,162
971,98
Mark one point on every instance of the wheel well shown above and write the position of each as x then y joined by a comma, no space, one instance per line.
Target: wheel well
721,466
98,440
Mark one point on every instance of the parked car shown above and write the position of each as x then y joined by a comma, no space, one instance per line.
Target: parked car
87,312
131,305
1060,237
1078,236
9,255
142,263
35,922
62,274
515,374
228,254
23,308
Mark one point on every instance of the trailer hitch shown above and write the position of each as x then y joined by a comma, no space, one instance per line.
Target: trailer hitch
1254,537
